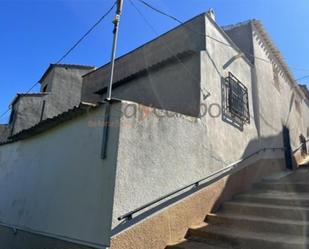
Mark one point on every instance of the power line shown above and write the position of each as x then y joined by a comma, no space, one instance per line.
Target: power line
167,46
304,77
212,154
3,114
86,34
192,30
73,47
154,30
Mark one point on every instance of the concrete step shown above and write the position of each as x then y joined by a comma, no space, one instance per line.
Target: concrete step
259,224
301,174
247,240
188,244
283,186
275,198
265,210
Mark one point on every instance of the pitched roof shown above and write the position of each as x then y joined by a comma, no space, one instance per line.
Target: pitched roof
50,122
51,66
4,132
305,90
272,49
227,37
276,52
18,95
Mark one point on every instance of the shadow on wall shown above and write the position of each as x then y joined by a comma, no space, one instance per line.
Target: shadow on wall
237,183
242,180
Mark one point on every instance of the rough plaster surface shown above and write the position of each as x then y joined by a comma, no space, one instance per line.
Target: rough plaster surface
28,111
275,105
165,89
230,142
64,92
4,132
171,224
156,154
65,86
176,41
49,186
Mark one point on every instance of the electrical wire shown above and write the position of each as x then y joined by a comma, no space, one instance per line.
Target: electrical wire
304,77
154,30
4,113
192,30
211,153
87,33
169,48
72,48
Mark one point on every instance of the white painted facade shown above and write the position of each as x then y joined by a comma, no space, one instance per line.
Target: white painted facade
57,184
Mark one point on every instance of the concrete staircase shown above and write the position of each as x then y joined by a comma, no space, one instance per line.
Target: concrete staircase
274,215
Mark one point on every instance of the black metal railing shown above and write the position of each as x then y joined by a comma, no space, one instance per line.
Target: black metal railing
206,181
301,145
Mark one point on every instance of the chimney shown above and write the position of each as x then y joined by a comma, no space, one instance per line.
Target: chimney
211,14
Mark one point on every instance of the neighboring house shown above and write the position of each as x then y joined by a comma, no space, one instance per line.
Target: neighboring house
305,90
4,132
186,105
27,111
60,91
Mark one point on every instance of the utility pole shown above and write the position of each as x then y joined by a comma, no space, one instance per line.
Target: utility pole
108,99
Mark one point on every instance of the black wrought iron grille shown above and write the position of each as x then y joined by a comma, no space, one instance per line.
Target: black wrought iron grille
238,103
303,143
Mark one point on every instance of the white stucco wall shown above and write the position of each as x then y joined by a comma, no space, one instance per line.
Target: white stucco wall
160,154
277,107
56,183
217,61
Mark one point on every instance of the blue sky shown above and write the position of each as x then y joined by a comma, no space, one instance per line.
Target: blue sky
36,33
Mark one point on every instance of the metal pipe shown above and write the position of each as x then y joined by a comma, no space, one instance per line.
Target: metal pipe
116,22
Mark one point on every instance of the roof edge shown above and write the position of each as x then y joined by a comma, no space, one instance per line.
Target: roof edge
232,44
49,123
272,48
51,66
148,42
18,95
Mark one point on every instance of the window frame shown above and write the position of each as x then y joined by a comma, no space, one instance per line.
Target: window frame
237,99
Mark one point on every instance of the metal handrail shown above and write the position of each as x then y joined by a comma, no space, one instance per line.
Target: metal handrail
220,174
294,151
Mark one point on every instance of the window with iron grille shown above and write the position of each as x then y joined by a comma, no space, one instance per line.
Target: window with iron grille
237,99
302,140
